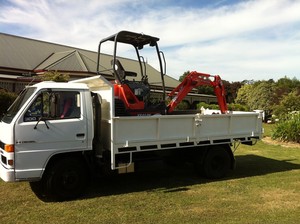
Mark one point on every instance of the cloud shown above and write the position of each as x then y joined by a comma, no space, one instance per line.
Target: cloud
255,39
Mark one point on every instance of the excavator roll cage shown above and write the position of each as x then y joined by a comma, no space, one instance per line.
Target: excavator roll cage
133,93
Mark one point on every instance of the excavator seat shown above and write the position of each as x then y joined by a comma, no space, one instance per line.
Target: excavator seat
132,97
121,73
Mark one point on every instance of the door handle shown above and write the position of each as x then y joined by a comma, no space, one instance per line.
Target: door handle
80,135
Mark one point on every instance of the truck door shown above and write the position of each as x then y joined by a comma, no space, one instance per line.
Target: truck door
52,123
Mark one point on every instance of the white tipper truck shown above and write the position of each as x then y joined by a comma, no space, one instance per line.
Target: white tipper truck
57,135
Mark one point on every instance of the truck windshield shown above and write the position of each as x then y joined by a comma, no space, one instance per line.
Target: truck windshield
17,104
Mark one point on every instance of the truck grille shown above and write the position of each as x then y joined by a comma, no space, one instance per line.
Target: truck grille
3,160
1,145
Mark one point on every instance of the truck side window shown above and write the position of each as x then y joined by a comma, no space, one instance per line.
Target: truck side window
69,105
54,105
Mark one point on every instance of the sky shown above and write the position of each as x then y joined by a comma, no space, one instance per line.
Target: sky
236,39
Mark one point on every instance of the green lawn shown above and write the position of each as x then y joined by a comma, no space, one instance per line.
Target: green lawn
264,188
268,128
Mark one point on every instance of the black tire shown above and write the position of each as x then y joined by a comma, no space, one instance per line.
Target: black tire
38,188
66,179
216,163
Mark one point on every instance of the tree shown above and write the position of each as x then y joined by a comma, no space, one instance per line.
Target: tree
289,103
288,84
55,76
244,94
259,95
231,89
284,86
262,96
181,78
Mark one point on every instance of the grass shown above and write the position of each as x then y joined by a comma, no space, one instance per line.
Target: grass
264,188
268,129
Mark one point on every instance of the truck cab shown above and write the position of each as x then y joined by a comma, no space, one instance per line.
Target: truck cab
46,120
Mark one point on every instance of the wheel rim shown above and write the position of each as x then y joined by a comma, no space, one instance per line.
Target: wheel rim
217,163
69,180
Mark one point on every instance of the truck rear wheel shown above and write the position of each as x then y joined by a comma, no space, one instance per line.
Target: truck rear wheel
217,162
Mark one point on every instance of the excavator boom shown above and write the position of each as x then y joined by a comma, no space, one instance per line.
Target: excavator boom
193,80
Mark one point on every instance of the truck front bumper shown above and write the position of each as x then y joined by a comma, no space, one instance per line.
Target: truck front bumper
8,175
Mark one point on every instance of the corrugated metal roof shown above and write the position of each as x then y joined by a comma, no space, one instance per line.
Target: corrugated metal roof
89,62
23,53
28,54
68,60
72,63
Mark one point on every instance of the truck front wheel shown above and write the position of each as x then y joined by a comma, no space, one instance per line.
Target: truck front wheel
217,162
64,179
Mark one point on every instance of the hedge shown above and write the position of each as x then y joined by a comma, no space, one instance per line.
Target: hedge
6,99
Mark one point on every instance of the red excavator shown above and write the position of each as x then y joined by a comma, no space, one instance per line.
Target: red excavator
132,92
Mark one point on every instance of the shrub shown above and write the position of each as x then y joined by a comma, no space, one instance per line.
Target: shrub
231,106
55,76
207,106
237,107
183,105
6,99
288,128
